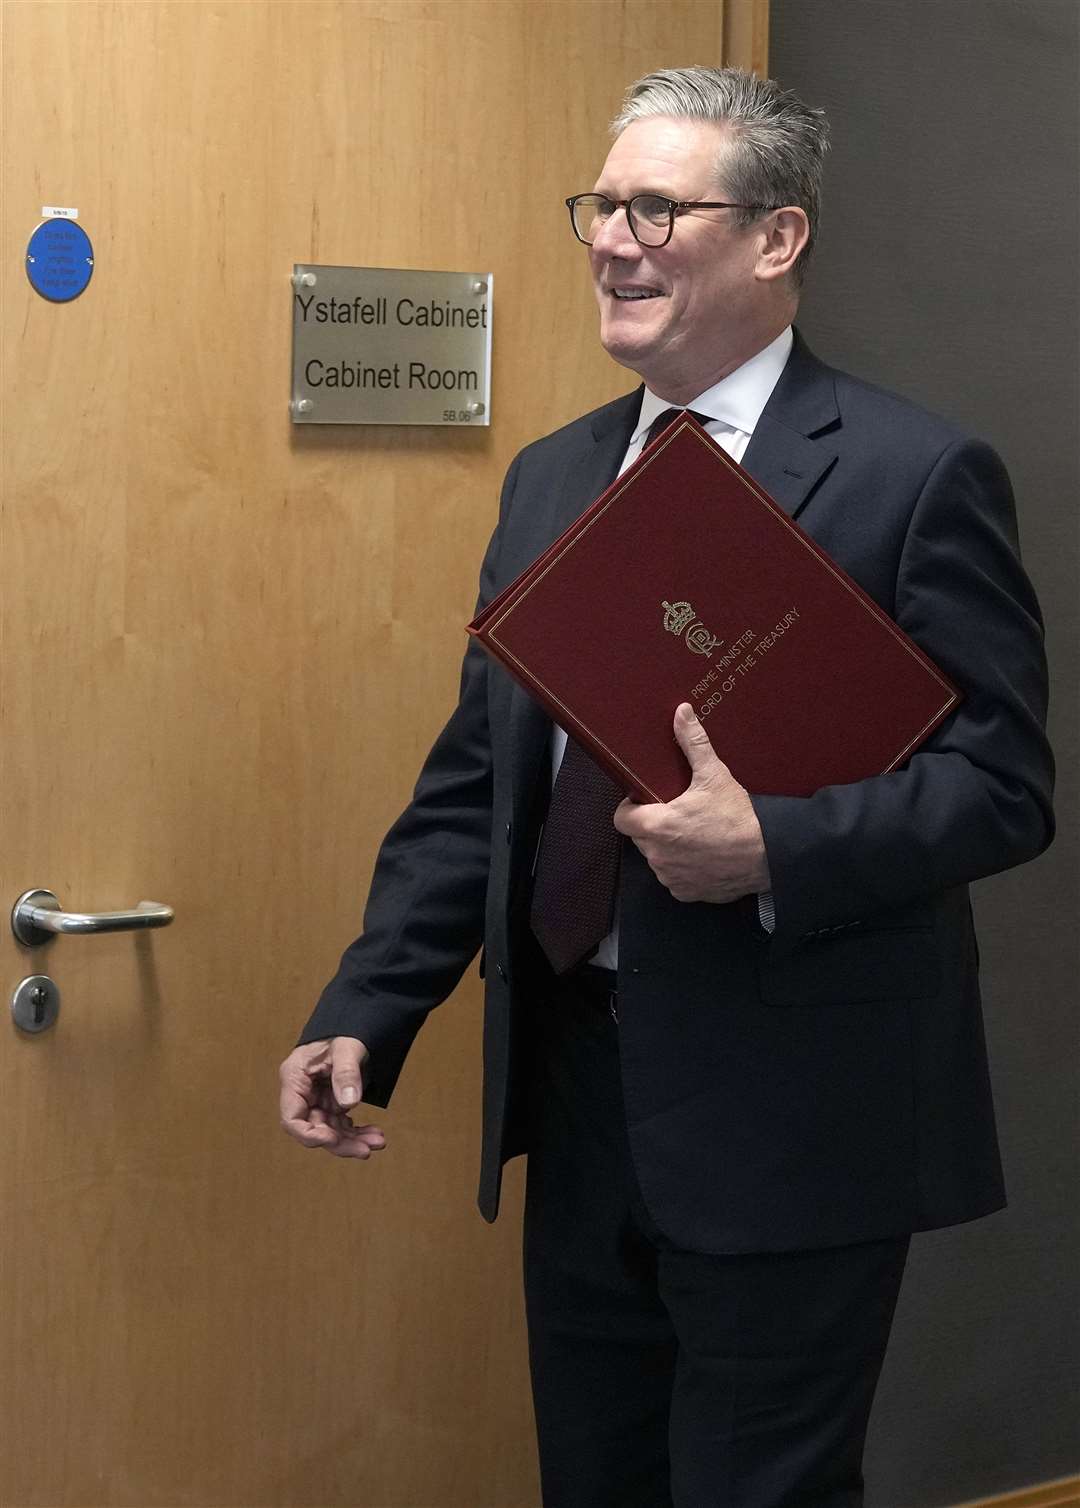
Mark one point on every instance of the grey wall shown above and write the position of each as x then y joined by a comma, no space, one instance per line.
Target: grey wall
948,271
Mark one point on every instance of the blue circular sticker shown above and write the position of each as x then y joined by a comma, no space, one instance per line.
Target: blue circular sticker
59,260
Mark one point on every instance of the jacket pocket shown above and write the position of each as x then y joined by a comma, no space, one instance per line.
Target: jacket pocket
897,964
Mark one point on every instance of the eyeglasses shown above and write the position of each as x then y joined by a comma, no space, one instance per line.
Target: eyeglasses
651,217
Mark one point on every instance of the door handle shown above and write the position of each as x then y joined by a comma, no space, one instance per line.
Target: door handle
36,916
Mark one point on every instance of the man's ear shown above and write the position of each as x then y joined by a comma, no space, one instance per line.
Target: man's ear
783,233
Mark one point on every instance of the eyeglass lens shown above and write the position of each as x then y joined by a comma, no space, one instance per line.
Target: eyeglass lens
649,217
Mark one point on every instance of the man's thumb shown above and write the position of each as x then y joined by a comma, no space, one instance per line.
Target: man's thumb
693,740
346,1059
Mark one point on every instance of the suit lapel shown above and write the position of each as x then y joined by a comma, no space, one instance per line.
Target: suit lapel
590,465
791,448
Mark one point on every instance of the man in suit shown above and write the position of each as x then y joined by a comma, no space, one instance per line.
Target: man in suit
738,1034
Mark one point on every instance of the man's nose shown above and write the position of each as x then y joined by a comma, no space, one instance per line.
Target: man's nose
615,238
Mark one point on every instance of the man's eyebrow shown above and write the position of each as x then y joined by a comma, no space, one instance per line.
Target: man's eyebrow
638,193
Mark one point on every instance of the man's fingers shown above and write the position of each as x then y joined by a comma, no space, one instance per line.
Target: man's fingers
307,1133
295,1103
336,1135
348,1140
623,817
356,1141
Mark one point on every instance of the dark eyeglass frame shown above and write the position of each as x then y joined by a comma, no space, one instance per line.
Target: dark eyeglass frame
674,207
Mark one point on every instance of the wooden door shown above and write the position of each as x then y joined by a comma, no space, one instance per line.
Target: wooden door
226,645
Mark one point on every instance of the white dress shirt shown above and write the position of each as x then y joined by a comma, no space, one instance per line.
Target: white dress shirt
732,407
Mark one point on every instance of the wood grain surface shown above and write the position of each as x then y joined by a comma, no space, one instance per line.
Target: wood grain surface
227,644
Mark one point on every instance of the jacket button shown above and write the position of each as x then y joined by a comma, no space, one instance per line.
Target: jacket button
500,971
509,831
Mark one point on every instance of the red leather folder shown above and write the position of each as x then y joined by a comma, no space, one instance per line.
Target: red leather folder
686,582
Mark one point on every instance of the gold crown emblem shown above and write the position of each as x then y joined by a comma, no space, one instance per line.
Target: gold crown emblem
680,619
677,616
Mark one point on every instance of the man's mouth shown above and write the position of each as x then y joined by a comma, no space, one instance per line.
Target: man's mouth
636,293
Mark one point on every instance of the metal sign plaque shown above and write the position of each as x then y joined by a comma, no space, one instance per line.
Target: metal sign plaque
59,260
382,345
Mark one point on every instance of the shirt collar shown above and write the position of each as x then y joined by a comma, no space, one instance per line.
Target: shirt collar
737,399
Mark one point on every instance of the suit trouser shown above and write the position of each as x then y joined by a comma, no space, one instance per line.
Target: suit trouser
667,1377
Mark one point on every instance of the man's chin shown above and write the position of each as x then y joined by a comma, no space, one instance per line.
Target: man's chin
625,350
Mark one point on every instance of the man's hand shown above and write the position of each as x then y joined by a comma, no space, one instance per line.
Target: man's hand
706,845
320,1083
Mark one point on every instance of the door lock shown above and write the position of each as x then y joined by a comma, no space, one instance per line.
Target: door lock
35,1004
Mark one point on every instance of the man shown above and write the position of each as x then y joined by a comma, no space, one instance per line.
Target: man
744,1088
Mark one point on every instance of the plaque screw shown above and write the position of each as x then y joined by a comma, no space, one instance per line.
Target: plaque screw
475,408
479,286
303,280
303,405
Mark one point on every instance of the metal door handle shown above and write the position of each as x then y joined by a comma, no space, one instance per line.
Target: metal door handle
36,915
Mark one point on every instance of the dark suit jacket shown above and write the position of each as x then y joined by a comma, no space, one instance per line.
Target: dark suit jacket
827,1084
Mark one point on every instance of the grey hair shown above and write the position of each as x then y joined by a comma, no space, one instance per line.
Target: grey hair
774,146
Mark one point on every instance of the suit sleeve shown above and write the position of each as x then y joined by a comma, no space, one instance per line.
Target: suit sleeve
976,798
424,918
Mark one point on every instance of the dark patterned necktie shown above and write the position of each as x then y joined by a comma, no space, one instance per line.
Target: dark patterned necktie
577,870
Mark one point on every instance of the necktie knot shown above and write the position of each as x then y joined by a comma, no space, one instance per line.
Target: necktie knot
667,417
